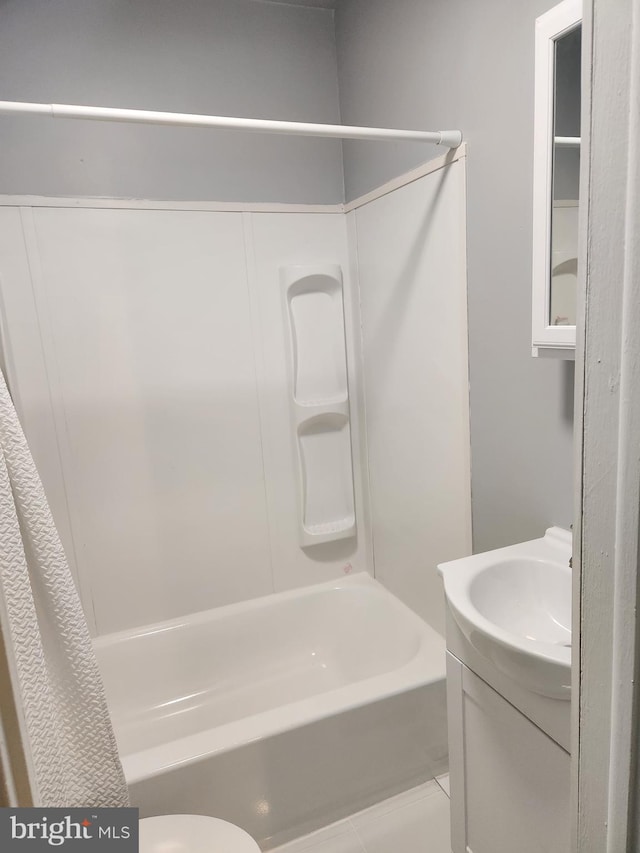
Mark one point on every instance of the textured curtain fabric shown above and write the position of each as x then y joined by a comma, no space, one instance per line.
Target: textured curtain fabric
71,750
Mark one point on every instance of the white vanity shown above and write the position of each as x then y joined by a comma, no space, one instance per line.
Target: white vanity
508,695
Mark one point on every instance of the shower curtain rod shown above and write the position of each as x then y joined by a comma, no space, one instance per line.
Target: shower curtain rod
450,138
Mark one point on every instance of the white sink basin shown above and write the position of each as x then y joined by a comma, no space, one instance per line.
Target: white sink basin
514,606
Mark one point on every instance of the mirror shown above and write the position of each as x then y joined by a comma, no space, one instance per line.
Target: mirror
556,179
565,179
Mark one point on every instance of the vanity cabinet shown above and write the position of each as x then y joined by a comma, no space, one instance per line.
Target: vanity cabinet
509,780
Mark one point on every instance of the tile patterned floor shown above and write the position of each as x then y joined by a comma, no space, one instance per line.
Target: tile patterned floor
416,821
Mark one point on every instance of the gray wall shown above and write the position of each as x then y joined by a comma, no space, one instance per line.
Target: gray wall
469,65
225,57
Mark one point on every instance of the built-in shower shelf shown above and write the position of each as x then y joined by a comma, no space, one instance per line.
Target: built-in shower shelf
330,527
319,401
331,411
328,403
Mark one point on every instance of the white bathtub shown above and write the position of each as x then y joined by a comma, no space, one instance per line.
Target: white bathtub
279,714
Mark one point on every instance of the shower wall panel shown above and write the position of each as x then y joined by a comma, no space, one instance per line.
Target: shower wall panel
410,246
145,350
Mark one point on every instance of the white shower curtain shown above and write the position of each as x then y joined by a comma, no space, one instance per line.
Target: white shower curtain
71,750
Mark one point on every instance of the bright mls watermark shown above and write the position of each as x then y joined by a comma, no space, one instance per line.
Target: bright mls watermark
74,830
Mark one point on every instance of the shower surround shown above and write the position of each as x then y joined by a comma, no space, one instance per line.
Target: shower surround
146,346
148,354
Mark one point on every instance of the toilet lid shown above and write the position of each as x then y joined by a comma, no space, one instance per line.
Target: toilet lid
190,833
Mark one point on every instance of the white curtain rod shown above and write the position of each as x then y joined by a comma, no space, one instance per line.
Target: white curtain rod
450,138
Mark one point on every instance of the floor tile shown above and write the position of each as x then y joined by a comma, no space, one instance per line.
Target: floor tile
397,801
443,781
418,826
338,838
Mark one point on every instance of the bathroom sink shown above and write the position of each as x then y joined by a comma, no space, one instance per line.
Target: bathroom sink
514,606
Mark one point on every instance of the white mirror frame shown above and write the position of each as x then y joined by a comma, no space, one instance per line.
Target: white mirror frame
547,340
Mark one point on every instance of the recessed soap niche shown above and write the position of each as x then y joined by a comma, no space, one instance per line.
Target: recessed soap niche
319,401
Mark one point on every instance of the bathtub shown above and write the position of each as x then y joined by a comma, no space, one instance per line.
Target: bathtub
279,714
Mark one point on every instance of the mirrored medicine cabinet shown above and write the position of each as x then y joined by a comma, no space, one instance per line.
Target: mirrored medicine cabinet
556,179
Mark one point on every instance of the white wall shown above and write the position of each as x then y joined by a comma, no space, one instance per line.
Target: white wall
146,353
411,259
222,57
